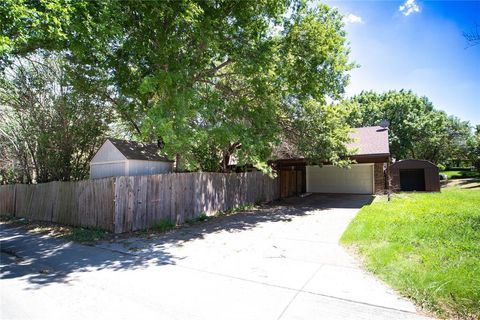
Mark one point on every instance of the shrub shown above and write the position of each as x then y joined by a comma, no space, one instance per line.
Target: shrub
164,225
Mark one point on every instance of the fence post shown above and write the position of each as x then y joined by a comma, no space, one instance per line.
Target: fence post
119,209
14,200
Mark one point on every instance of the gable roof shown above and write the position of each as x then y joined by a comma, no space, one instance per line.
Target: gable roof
370,141
134,150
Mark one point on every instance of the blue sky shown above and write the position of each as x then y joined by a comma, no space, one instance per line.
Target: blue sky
416,45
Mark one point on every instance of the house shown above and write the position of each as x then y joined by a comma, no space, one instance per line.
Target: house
127,158
365,176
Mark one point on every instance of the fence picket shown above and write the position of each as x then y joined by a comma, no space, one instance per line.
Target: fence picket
125,204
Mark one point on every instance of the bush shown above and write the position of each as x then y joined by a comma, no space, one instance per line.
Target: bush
164,225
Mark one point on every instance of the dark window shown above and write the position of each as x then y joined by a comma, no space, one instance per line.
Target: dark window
412,180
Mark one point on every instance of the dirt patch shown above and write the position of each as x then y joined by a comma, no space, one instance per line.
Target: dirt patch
77,234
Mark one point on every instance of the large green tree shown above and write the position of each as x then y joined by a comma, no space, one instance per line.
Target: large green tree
417,130
48,130
473,147
207,80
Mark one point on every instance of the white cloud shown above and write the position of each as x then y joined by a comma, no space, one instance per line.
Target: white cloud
409,7
351,18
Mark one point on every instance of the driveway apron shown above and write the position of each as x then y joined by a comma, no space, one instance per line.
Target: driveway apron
281,261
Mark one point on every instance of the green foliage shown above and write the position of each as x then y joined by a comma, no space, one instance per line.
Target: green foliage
84,235
243,207
30,24
48,130
427,246
201,218
164,225
328,124
237,209
416,129
209,80
473,148
461,174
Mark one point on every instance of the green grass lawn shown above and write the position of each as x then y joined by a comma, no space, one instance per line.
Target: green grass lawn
425,245
461,174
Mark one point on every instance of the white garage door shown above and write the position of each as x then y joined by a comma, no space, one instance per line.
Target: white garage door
331,179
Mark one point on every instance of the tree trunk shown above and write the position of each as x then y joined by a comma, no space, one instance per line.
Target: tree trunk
225,162
178,158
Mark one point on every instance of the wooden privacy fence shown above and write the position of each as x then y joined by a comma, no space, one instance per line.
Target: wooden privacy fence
86,203
124,204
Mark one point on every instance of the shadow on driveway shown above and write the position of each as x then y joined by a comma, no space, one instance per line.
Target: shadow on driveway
277,211
42,260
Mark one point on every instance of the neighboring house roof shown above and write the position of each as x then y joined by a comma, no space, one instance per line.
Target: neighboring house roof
134,150
370,141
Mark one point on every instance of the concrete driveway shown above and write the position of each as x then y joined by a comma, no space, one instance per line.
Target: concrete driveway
279,262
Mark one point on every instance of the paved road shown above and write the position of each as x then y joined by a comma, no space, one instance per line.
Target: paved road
280,262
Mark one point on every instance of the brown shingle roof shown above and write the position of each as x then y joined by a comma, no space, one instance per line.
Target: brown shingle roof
366,141
370,140
138,151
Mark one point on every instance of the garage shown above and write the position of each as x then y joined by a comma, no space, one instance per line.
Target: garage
367,174
358,179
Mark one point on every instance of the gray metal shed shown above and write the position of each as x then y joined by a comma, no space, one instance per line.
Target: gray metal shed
127,158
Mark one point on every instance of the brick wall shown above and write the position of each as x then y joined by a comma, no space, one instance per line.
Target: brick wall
379,178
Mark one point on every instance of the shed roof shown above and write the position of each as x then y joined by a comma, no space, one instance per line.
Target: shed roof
413,163
370,141
134,150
